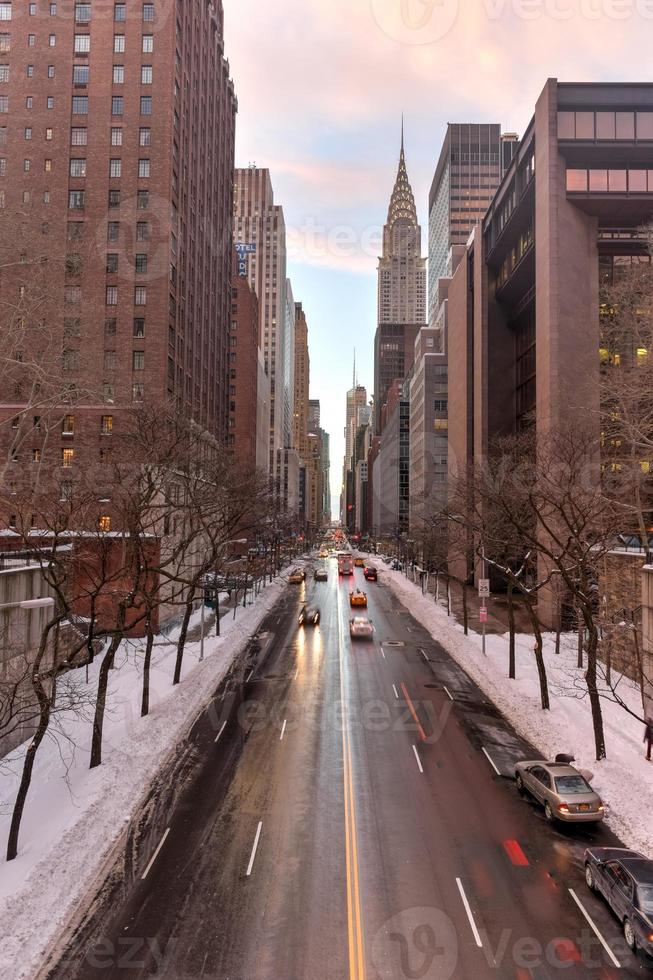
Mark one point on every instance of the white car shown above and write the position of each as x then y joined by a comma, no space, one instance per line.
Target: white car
361,628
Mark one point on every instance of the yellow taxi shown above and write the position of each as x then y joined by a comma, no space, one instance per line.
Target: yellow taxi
359,562
358,598
324,553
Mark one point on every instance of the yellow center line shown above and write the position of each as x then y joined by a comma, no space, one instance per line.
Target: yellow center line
354,912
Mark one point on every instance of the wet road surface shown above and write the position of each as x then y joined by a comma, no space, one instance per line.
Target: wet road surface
355,818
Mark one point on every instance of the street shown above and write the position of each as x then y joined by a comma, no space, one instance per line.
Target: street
353,819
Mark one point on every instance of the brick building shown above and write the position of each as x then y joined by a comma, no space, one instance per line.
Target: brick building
248,383
116,175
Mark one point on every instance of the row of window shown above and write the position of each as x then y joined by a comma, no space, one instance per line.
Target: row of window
66,491
78,168
82,11
605,125
79,108
83,43
81,74
610,181
73,294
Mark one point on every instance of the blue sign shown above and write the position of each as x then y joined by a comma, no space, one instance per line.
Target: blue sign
243,252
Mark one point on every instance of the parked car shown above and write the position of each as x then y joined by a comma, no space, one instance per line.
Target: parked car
361,628
309,616
371,574
625,879
562,790
297,576
396,565
321,575
358,598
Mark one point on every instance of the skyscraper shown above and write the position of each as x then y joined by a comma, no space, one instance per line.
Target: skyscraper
116,166
260,235
473,159
302,380
401,289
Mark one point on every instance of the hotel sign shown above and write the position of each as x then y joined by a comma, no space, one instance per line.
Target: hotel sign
243,252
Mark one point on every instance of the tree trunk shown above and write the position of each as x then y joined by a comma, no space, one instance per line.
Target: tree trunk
640,665
539,657
558,630
182,638
28,767
465,610
581,631
512,667
145,700
437,587
595,700
448,596
101,701
608,659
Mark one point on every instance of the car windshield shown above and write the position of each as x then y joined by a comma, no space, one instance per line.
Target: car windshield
646,898
572,784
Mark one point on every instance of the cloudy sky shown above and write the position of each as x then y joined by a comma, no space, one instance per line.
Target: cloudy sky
322,85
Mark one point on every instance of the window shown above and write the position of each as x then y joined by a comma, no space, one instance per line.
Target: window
49,102
142,203
114,200
598,180
4,73
109,360
52,40
3,135
51,71
67,458
113,231
148,43
110,326
75,228
146,74
77,168
82,43
68,425
106,426
138,360
49,134
72,295
28,132
146,105
80,105
143,168
118,74
112,295
78,136
36,455
119,12
5,11
5,43
140,296
76,200
138,389
83,13
148,12
112,263
70,360
117,105
72,326
577,180
80,74
144,136
115,168
27,165
116,136
30,71
142,231
3,166
139,327
108,392
141,262
47,166
32,10
104,522
118,43
4,103
644,125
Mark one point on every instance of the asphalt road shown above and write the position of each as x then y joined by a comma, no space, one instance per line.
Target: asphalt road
353,819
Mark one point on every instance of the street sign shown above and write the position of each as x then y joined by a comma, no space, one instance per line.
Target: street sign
484,588
482,614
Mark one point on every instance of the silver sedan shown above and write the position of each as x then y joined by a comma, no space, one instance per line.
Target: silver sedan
562,790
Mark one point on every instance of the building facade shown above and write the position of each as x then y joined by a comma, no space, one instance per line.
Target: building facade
401,290
244,373
524,330
134,246
301,415
260,233
429,421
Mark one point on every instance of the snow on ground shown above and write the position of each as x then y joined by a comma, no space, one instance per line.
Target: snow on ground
74,816
624,779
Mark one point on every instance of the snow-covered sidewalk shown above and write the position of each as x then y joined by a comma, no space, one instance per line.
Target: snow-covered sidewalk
73,815
624,779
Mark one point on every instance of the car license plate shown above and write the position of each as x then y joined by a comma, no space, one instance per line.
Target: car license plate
584,807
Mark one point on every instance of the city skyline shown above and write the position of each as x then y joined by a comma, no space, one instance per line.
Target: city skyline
334,160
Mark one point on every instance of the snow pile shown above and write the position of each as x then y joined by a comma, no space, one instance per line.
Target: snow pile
624,779
74,816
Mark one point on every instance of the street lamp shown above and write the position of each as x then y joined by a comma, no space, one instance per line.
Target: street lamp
41,603
217,598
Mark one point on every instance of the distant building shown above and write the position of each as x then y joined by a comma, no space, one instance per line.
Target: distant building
301,414
401,290
248,384
429,421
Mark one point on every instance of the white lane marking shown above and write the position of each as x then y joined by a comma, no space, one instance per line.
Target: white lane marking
383,653
254,849
283,729
224,725
423,652
396,692
490,760
297,673
155,855
580,905
419,761
447,692
249,677
469,913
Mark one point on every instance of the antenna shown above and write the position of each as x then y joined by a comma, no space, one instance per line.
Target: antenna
402,132
355,381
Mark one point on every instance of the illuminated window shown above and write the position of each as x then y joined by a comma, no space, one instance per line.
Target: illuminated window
642,355
646,466
104,522
67,457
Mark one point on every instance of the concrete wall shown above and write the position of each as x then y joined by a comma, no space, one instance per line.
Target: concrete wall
20,633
